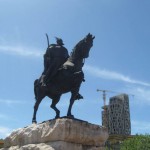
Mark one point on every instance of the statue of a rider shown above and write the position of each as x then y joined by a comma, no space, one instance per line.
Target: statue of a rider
55,56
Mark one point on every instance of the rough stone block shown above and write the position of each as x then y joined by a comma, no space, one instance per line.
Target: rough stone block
58,134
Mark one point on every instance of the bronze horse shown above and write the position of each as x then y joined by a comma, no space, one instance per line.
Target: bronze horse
68,79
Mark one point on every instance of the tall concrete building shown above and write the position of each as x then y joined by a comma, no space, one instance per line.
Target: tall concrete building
116,115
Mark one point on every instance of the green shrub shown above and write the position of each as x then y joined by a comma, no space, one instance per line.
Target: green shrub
138,142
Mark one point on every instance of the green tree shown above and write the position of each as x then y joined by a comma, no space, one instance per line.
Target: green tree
138,142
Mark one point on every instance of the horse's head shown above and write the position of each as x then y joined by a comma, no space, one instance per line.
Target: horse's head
87,44
82,48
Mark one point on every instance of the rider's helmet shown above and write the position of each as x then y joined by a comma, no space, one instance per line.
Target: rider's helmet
59,41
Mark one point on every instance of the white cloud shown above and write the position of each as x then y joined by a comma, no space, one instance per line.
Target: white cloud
11,103
142,94
112,75
4,117
4,131
18,50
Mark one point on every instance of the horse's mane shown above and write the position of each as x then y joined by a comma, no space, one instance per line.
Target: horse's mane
74,54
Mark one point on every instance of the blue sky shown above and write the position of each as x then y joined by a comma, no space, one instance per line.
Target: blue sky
118,61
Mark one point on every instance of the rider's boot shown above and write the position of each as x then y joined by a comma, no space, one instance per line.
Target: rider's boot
79,96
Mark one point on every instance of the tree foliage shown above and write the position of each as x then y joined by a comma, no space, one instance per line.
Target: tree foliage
138,142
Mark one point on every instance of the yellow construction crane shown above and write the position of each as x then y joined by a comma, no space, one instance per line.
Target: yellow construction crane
104,94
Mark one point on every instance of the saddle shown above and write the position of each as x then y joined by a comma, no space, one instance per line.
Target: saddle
68,65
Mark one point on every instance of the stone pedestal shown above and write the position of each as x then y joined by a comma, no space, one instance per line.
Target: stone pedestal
58,134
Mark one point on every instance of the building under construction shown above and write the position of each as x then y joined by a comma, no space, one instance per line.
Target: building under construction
116,115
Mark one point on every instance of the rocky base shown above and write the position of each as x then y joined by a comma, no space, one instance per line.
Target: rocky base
58,145
58,134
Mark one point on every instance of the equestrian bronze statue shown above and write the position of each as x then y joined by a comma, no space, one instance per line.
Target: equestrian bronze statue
64,76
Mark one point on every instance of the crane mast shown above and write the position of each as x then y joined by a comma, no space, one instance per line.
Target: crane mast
104,95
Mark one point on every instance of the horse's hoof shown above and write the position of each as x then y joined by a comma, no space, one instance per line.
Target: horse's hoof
70,116
34,122
57,117
78,97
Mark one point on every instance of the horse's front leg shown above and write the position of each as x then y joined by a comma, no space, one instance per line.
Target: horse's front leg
72,99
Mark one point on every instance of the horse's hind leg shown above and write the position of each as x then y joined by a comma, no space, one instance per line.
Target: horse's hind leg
38,96
53,106
35,110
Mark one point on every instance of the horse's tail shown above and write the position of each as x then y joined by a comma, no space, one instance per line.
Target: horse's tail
35,86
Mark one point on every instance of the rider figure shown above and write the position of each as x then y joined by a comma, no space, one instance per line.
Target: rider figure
55,56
